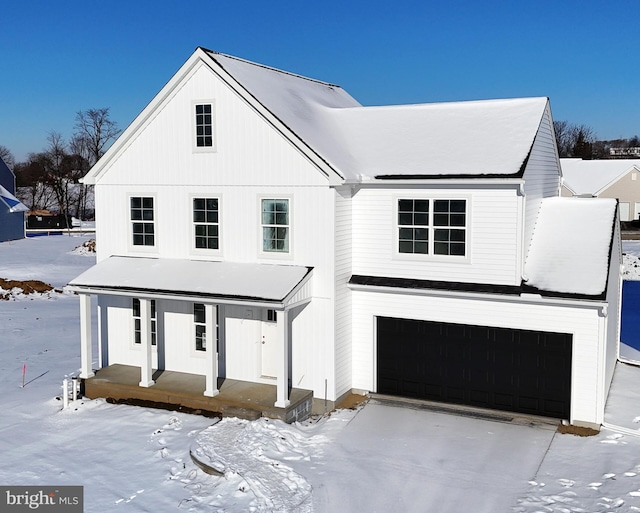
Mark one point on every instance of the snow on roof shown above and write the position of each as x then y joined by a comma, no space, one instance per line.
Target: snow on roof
266,282
298,102
475,138
12,203
592,176
567,227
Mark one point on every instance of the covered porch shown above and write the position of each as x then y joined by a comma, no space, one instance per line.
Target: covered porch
161,350
174,390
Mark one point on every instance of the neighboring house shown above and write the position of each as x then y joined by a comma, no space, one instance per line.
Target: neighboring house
334,248
615,178
11,210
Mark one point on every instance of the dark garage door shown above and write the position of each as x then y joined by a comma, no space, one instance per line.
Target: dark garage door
505,369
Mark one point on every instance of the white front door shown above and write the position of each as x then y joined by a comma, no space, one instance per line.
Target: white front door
269,344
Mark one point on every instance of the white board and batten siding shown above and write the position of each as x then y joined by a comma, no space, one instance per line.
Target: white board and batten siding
248,151
541,176
492,236
585,323
251,161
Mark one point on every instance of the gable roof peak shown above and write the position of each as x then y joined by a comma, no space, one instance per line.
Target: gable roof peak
214,53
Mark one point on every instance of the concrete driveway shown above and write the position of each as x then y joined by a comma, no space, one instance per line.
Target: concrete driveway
417,460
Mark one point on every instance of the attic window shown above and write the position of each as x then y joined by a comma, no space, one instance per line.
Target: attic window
204,125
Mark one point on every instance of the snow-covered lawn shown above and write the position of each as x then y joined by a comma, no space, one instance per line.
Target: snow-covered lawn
379,458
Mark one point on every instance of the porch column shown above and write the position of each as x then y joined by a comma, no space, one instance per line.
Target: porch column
85,337
282,394
211,350
146,373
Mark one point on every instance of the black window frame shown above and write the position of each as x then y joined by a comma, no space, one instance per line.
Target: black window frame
204,125
142,216
206,223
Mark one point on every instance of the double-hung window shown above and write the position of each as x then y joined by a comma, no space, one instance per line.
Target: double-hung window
199,321
275,225
413,226
142,221
449,227
200,325
206,223
204,125
137,321
432,226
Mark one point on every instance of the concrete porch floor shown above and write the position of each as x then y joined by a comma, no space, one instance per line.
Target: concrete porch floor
241,399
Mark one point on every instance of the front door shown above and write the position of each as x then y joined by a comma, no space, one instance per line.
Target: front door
269,344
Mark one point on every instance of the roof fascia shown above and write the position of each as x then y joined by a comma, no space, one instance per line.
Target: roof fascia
142,119
508,182
155,294
547,110
322,165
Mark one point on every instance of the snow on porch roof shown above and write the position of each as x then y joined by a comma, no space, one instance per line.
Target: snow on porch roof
571,247
225,281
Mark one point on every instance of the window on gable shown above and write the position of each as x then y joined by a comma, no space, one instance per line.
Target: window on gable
432,226
142,220
204,125
206,224
137,321
275,225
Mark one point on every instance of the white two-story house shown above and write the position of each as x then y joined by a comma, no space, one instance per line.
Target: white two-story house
260,226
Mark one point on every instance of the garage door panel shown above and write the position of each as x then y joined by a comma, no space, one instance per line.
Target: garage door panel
516,370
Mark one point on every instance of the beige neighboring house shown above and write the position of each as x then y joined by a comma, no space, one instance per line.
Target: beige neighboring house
616,178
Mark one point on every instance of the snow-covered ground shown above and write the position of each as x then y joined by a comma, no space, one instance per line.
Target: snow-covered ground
631,259
379,458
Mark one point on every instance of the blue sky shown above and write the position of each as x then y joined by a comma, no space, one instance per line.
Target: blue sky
61,57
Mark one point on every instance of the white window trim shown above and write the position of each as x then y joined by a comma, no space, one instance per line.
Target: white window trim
275,255
143,249
431,257
194,146
217,253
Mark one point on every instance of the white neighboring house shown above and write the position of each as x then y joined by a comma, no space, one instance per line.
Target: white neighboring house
615,178
417,250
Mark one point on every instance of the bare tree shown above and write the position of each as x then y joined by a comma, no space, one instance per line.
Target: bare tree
563,137
57,172
31,186
573,140
583,138
7,156
94,130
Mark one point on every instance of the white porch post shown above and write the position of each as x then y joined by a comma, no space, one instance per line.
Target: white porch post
85,337
211,350
282,394
146,373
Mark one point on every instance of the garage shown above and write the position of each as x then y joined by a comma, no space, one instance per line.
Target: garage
506,369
